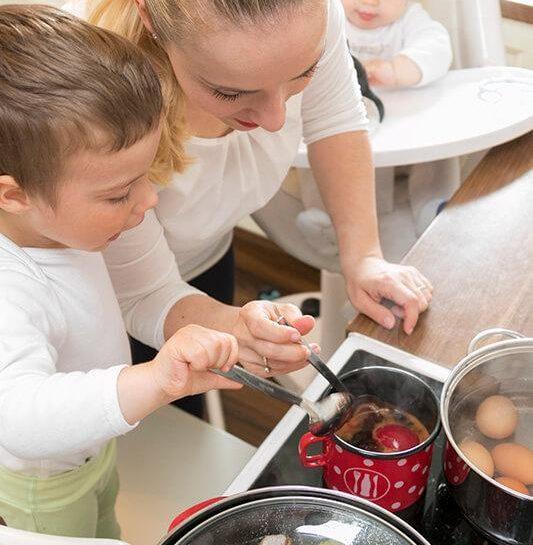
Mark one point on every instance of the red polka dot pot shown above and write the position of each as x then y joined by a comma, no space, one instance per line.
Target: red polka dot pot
392,480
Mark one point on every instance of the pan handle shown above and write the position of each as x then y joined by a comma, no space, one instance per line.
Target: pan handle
491,332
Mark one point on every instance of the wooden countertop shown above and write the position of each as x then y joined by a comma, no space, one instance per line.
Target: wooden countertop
478,253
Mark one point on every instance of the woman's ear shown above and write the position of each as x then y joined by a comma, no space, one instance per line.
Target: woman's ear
13,199
144,15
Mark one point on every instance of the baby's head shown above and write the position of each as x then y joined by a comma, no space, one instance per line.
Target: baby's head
80,112
368,14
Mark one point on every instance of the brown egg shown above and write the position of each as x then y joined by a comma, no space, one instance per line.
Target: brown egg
478,455
515,461
497,417
513,484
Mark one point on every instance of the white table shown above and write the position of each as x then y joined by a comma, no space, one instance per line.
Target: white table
464,112
170,462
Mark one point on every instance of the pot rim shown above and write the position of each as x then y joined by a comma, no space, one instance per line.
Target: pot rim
401,453
297,491
467,364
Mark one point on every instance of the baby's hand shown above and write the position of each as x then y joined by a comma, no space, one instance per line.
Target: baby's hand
182,366
380,72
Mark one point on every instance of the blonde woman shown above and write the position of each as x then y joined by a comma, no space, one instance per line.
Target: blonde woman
244,81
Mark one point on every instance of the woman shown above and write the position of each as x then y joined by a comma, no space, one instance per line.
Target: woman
244,81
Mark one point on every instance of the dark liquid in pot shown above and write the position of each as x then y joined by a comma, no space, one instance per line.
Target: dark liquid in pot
377,426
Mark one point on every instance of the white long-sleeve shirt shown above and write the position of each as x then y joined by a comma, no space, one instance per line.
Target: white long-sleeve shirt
230,178
416,35
62,346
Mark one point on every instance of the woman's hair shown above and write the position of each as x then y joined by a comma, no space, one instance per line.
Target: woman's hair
175,21
66,85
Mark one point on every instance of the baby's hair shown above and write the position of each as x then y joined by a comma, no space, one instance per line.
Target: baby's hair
66,86
176,21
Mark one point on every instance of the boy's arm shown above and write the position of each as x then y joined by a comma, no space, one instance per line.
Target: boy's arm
44,413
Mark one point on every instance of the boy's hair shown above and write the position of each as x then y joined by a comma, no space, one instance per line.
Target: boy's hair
66,86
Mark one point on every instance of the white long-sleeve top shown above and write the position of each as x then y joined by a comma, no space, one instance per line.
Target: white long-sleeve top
231,177
416,35
62,346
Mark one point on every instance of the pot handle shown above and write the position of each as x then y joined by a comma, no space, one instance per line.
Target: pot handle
318,460
491,332
188,513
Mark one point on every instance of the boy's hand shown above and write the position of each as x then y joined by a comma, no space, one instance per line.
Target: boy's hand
182,367
380,73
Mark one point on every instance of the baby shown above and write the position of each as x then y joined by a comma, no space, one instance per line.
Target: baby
397,42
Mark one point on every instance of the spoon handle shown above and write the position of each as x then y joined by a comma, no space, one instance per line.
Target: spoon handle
319,364
240,375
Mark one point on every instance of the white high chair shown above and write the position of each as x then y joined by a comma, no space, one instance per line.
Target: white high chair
420,125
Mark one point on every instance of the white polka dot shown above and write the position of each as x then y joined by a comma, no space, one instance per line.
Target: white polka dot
424,471
337,470
420,491
396,505
412,489
416,467
449,464
399,484
455,479
402,462
334,488
368,463
464,467
338,449
428,448
457,459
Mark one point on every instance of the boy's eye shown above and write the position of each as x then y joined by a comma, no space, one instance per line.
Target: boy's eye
120,200
231,97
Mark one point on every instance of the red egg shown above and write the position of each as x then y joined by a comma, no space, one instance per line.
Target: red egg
395,437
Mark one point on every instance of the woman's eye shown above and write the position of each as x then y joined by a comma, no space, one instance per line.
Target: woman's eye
224,96
310,73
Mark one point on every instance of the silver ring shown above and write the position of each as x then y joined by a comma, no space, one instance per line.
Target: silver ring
265,364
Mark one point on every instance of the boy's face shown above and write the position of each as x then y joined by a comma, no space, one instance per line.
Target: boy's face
100,194
368,14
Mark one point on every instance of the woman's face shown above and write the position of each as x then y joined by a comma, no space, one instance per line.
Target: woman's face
244,76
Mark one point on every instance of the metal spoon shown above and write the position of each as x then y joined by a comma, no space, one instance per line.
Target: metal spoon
325,416
318,363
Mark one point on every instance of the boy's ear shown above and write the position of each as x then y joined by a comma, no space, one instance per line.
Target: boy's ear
144,15
13,199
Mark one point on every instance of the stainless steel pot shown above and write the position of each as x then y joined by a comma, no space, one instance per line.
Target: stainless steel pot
308,516
504,368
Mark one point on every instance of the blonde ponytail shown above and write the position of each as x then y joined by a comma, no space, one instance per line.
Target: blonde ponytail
121,17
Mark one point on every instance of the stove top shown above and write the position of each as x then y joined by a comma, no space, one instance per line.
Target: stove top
435,516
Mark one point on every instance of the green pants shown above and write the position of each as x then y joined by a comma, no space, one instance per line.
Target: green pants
77,503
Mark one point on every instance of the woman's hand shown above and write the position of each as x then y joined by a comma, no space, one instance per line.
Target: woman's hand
373,279
267,348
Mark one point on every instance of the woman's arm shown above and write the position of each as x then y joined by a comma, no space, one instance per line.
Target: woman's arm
343,169
334,120
156,302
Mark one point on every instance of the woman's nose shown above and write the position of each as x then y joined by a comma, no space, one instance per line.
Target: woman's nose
271,114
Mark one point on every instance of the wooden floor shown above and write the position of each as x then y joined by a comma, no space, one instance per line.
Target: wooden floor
260,264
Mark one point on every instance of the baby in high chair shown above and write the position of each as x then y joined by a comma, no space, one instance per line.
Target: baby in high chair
397,42
399,45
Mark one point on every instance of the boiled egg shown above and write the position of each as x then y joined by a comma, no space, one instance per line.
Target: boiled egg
513,484
478,455
497,417
515,461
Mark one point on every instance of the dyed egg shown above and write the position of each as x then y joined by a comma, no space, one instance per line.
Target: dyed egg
497,417
478,455
395,437
515,461
513,484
